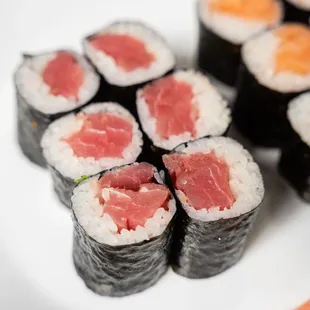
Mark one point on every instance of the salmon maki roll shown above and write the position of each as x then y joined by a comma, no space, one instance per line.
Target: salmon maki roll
123,219
98,137
178,108
219,189
224,26
297,11
127,54
294,164
275,69
48,86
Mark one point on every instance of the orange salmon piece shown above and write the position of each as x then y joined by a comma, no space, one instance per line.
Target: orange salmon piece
255,10
293,54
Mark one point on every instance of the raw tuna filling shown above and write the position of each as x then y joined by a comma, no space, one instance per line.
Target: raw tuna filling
129,197
203,178
293,54
170,102
128,52
64,75
101,135
257,10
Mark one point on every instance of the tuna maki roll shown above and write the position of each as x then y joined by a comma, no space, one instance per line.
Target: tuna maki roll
122,229
294,163
98,137
219,189
47,86
127,54
224,26
297,11
180,107
276,68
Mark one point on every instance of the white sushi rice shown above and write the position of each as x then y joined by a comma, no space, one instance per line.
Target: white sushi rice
101,227
299,116
60,155
155,44
245,179
301,4
232,28
32,88
259,57
213,111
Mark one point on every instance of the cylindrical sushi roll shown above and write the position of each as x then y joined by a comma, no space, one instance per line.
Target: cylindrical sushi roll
48,86
294,163
276,68
224,26
128,54
98,137
219,188
297,11
123,221
180,107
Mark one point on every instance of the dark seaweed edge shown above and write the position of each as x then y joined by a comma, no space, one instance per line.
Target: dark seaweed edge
295,14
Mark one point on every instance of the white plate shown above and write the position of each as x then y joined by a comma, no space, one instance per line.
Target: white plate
36,270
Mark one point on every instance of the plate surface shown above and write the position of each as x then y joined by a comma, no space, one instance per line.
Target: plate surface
36,270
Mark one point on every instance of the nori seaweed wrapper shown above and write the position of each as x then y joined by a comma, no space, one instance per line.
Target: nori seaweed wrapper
218,57
295,14
259,113
294,166
122,270
31,124
63,186
205,249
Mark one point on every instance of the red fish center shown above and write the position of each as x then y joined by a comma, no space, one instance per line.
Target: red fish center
129,197
128,52
102,135
203,178
170,103
64,75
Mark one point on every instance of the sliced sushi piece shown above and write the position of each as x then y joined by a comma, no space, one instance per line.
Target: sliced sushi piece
127,54
297,11
48,86
178,108
98,137
123,221
219,189
276,68
294,163
224,26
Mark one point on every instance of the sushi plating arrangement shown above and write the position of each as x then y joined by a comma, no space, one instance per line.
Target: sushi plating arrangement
140,152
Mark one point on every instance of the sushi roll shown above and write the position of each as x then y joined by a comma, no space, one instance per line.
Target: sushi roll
276,69
219,189
224,25
48,86
294,164
297,11
98,137
127,54
123,221
180,107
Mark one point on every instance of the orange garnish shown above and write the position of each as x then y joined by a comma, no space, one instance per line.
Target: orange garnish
293,54
34,124
256,10
305,306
